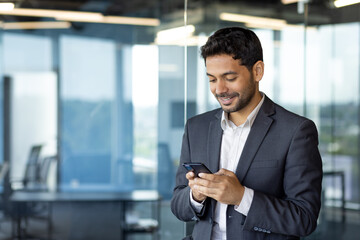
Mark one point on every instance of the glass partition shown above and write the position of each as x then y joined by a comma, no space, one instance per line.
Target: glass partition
124,90
337,107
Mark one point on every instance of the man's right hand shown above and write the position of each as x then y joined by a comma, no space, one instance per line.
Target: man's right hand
195,194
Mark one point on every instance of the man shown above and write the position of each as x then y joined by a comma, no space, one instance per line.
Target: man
266,163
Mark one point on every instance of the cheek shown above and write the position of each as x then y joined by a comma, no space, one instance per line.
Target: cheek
239,87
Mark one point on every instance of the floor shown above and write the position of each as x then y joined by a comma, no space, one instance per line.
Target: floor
101,221
332,227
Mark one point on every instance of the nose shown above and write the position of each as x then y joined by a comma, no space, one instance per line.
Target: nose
221,87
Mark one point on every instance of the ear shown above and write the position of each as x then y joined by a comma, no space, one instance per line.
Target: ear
258,70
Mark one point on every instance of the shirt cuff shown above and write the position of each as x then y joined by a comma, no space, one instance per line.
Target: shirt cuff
246,201
196,205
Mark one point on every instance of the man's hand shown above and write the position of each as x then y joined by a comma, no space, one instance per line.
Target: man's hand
195,194
222,186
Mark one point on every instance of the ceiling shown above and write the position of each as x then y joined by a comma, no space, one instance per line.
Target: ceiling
202,13
320,11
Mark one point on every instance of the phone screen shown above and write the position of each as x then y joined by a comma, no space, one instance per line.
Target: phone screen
196,167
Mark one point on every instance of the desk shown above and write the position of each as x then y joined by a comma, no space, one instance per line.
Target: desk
20,199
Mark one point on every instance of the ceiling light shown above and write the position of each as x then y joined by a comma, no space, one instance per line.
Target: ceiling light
275,23
259,22
343,3
289,1
77,16
132,21
279,28
35,25
6,6
53,14
264,26
174,34
285,2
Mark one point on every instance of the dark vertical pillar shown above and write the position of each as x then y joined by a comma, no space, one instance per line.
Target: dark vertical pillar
7,134
358,135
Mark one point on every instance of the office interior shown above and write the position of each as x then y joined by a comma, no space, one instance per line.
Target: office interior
94,97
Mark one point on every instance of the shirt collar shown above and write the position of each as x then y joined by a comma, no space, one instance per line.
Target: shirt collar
225,122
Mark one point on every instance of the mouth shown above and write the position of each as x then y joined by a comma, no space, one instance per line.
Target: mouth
226,100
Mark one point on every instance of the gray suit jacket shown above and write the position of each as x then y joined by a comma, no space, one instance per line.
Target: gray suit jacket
280,162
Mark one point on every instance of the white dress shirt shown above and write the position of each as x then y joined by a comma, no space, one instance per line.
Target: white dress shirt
233,141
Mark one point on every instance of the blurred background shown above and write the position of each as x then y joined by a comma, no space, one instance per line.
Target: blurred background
94,96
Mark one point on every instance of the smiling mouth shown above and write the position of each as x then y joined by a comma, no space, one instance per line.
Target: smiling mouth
226,100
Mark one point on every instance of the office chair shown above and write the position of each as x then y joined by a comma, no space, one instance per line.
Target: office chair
35,180
36,171
31,176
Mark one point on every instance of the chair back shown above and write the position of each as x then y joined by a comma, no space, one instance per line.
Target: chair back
32,166
4,169
45,168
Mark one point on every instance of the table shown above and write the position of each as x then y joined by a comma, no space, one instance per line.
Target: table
21,198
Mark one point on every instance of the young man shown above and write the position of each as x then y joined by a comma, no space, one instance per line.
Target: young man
267,170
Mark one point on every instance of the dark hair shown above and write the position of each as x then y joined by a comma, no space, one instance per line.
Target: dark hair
240,43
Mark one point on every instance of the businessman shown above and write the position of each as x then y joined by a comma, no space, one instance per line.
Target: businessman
266,167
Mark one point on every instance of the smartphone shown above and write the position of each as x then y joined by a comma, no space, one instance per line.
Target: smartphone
196,167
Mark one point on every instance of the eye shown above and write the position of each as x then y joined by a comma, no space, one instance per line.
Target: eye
212,80
230,79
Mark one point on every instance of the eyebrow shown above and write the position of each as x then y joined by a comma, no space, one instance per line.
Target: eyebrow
224,74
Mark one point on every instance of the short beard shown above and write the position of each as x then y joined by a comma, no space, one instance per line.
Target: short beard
244,98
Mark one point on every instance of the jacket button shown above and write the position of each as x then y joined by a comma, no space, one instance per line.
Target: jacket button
256,228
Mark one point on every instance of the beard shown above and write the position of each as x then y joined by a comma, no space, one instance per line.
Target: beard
243,98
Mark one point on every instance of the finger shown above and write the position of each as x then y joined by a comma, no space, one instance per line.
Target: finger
209,192
201,182
190,175
211,177
207,183
207,176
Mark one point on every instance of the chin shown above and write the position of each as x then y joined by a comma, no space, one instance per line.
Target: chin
228,109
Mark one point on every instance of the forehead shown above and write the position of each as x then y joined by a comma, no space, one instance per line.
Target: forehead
223,63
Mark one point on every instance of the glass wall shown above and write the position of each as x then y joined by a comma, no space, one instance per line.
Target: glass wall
32,97
109,115
123,91
338,107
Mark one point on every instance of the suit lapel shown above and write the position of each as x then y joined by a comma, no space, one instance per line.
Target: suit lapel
257,133
214,142
213,148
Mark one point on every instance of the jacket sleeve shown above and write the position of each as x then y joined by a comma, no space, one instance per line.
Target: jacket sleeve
297,212
180,202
